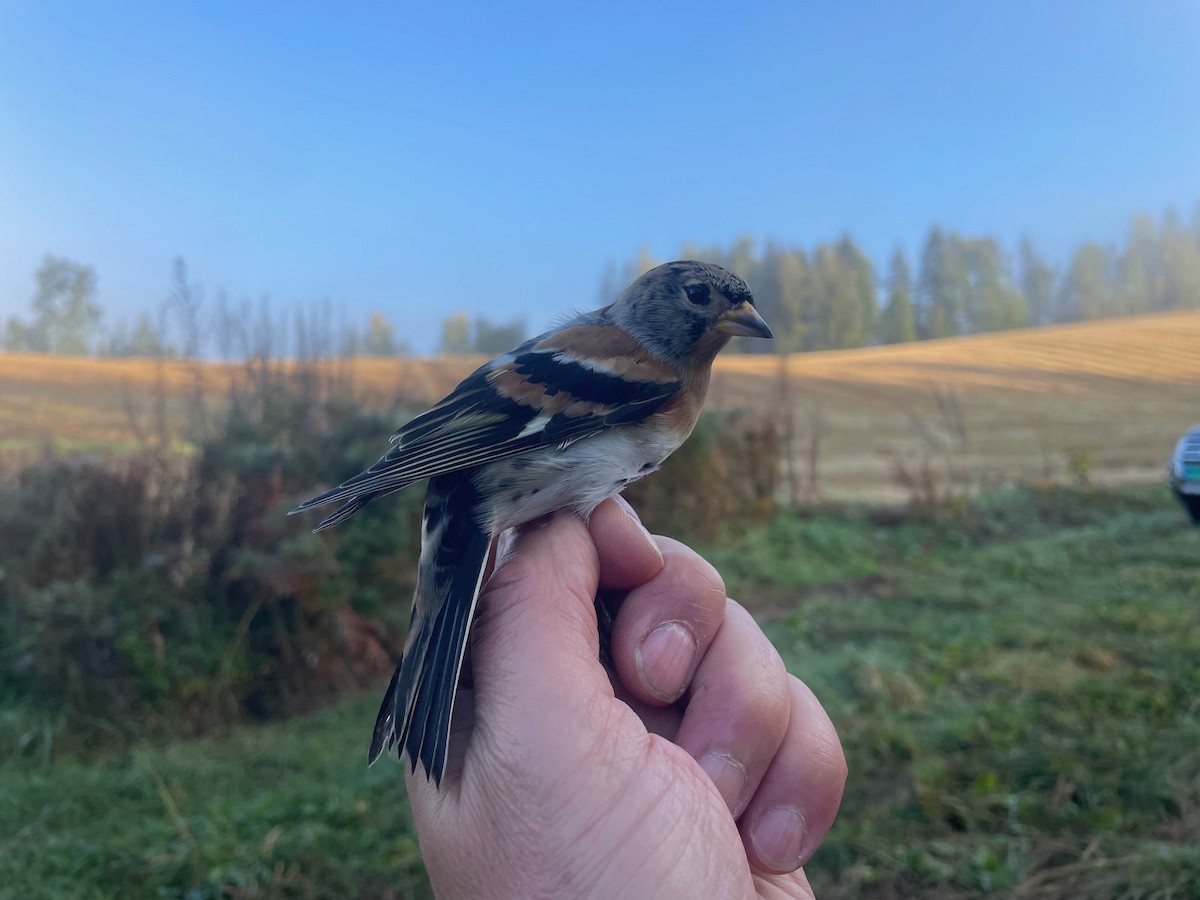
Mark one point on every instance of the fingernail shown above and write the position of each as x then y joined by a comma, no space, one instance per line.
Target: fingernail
728,775
633,517
779,837
664,660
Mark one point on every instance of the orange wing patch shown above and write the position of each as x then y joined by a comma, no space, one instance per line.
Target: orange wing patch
608,349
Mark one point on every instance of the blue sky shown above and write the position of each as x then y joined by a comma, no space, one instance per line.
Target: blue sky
493,157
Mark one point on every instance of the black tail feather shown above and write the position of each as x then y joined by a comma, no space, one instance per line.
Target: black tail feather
384,737
419,703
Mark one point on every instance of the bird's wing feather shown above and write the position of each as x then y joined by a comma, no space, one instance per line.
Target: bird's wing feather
550,391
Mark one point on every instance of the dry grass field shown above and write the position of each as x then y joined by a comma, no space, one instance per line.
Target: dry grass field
1104,400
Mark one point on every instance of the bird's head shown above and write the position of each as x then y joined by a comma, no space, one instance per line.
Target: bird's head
686,311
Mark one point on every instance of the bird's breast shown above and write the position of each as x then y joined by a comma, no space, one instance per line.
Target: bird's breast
577,477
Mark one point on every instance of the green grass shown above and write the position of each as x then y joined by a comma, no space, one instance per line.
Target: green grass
1017,685
1020,713
287,810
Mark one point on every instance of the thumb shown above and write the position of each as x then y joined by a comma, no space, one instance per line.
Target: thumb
535,647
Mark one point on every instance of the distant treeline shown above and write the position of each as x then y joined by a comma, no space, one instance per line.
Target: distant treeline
828,297
831,297
66,318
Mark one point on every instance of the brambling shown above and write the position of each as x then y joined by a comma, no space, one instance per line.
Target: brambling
565,420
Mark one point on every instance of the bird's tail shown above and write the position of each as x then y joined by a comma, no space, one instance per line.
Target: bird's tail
417,708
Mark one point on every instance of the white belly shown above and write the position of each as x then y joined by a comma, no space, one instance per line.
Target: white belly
577,478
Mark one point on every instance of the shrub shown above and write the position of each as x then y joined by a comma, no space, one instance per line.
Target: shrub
162,594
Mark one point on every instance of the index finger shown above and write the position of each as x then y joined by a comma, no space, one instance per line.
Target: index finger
628,555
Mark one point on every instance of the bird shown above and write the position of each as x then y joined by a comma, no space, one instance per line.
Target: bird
563,421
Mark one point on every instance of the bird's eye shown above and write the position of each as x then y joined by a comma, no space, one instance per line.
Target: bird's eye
698,294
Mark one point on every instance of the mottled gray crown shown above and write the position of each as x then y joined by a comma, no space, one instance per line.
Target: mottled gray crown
672,308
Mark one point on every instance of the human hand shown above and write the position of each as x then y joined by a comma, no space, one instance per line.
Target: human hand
559,786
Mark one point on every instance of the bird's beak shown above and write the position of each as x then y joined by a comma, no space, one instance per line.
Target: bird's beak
744,321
